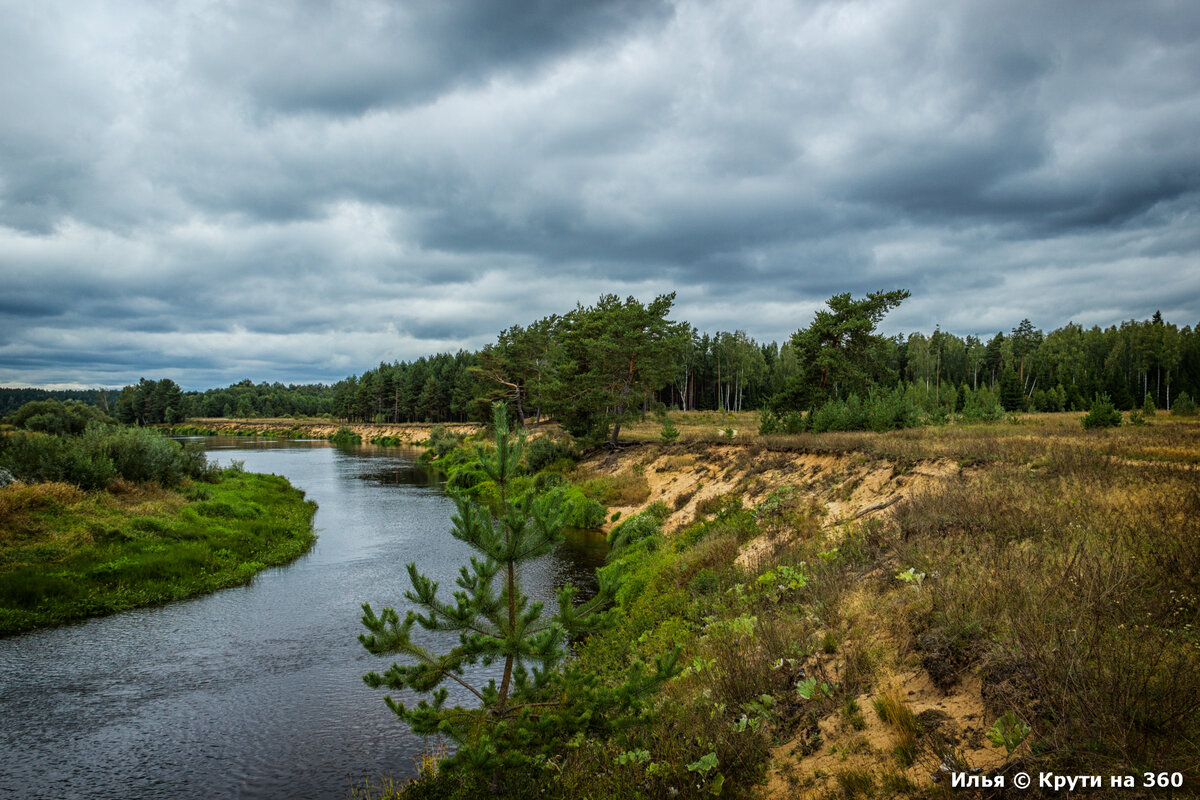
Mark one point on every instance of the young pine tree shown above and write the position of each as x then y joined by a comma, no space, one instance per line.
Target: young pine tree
531,711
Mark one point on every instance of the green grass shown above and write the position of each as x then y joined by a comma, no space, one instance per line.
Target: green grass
64,558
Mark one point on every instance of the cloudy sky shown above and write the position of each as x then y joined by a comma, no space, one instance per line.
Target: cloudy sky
210,190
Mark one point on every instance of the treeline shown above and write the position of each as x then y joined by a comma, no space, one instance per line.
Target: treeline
440,388
13,398
597,366
152,402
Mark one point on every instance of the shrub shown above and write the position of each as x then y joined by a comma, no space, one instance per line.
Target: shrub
1102,415
582,511
144,455
441,442
1184,405
345,435
101,454
544,452
636,528
982,405
51,416
669,432
790,423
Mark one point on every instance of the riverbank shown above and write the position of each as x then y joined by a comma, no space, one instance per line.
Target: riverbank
860,612
409,434
66,554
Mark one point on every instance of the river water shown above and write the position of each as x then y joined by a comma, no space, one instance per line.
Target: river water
256,691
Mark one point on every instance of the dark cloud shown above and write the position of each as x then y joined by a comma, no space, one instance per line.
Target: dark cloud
215,191
349,58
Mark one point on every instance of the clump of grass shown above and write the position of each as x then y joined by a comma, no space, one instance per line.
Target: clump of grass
622,489
20,497
893,711
856,783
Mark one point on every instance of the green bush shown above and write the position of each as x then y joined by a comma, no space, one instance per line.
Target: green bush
636,528
982,405
1184,405
544,451
442,442
102,453
345,435
144,455
1103,414
51,416
583,512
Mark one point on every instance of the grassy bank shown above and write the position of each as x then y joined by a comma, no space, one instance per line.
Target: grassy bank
66,554
860,612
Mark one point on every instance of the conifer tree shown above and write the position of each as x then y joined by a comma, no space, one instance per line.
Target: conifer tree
531,711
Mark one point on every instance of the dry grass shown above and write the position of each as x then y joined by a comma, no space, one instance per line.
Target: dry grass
19,499
622,489
1074,591
1019,439
1061,581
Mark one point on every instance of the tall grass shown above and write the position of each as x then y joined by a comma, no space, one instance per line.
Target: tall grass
1074,591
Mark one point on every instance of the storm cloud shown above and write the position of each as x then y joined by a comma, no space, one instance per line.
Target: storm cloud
209,191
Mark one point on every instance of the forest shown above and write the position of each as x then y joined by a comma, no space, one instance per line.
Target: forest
615,360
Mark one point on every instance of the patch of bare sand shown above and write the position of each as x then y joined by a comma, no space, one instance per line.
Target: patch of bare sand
844,486
954,721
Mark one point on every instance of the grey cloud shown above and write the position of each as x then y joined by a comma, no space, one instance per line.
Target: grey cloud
235,190
317,57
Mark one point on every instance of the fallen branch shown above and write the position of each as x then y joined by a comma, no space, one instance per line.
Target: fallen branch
877,507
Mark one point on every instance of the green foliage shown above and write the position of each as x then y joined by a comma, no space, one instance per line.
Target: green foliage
116,560
101,454
582,511
1012,398
637,528
151,402
532,712
51,416
442,441
1184,406
1008,732
839,351
345,436
1102,415
669,432
544,451
1148,407
883,410
982,405
780,582
812,689
613,355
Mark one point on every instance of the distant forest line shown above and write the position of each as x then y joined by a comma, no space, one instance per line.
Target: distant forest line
603,363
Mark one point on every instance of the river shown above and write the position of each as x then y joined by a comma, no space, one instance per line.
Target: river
256,691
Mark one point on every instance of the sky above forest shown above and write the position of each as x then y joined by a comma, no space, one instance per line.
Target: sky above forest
211,190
